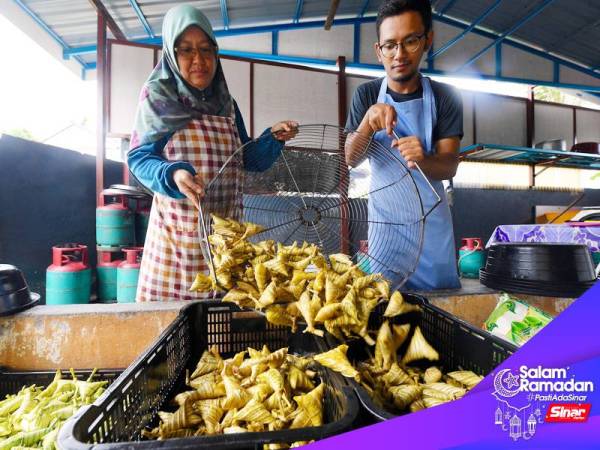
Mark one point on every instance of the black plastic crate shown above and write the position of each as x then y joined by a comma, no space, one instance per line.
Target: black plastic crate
461,347
158,374
12,381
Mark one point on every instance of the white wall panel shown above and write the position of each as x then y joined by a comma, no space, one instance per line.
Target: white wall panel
253,43
318,42
368,37
588,126
568,75
519,64
305,96
237,74
130,66
352,83
468,98
553,122
500,120
462,51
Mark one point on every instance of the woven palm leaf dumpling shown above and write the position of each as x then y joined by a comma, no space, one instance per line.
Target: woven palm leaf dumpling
297,286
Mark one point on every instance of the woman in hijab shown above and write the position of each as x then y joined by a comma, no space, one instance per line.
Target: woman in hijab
187,125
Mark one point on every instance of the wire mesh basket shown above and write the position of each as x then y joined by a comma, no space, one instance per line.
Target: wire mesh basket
310,192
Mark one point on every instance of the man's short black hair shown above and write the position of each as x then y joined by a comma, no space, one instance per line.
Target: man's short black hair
391,8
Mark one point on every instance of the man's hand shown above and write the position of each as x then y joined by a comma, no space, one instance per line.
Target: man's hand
411,149
378,117
189,185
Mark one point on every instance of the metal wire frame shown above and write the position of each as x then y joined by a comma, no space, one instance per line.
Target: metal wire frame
310,193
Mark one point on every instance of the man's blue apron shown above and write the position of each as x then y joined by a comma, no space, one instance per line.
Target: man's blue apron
392,247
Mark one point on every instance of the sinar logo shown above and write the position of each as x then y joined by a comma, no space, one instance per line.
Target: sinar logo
568,412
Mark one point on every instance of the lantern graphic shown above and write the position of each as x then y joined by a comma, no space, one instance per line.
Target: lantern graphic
515,427
498,420
531,423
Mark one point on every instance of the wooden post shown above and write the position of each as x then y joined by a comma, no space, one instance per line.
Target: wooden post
530,117
344,178
101,104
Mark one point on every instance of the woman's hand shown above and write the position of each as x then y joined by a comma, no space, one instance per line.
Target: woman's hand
285,130
189,185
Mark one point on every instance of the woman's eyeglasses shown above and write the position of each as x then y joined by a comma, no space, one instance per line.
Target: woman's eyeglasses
410,44
190,53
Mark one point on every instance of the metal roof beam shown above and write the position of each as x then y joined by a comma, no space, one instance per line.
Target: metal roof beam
467,30
504,35
110,22
331,15
224,14
353,21
298,13
83,50
363,9
138,11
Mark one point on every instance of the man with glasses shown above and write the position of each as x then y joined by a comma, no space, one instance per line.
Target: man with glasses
426,116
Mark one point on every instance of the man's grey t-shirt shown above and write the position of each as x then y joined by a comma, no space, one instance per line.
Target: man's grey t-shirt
448,103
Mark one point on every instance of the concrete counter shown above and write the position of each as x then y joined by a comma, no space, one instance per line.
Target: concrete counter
474,302
106,336
111,336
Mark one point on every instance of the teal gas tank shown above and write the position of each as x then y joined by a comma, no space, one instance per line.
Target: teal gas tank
69,277
128,274
471,257
115,222
108,262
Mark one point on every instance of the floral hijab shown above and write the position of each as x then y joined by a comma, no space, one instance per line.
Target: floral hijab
167,102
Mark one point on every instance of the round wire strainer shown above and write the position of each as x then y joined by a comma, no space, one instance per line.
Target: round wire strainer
308,192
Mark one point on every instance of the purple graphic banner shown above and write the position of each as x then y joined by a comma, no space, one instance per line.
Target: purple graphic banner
546,395
587,235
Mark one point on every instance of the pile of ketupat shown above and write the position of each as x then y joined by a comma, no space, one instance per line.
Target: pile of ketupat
297,283
291,283
33,416
255,390
397,382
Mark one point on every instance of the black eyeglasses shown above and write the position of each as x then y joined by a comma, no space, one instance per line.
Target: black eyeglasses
190,53
410,44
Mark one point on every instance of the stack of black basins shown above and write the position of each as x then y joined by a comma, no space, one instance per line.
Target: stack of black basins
557,270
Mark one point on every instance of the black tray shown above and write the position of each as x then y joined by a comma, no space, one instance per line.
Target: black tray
11,382
132,402
541,262
461,346
542,288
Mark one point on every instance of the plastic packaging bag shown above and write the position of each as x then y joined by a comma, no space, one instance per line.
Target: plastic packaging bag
515,320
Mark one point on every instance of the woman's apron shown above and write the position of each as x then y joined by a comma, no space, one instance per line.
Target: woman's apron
172,253
393,247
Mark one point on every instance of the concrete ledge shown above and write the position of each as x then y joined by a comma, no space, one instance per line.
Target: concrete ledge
106,336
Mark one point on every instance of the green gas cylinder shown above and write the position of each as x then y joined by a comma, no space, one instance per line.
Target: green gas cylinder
69,277
108,263
471,257
128,273
362,256
115,222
